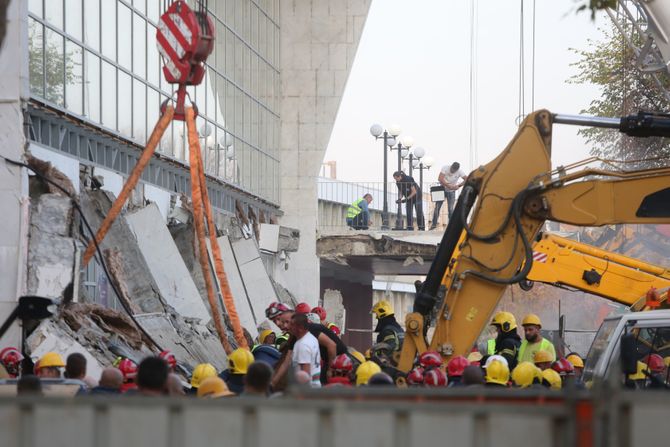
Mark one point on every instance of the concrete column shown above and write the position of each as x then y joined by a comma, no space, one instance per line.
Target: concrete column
318,44
13,180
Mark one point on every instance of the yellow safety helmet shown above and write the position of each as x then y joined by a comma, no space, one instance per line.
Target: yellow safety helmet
213,387
542,356
531,319
382,309
201,372
239,361
666,361
497,372
262,336
357,355
475,357
576,360
365,371
525,373
639,374
505,320
51,359
553,378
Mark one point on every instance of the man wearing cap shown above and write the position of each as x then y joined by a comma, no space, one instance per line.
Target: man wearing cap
533,340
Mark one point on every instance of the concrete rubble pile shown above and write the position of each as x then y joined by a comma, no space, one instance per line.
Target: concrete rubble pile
161,301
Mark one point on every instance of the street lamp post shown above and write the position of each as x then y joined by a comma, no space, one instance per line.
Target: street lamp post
389,137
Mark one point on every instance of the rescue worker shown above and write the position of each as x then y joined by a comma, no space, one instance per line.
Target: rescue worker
267,337
214,388
415,377
341,371
564,369
577,363
507,341
303,308
434,378
455,368
358,213
551,379
475,357
388,330
321,312
129,370
50,365
169,358
11,359
365,371
497,374
656,372
526,374
200,373
238,364
542,360
533,340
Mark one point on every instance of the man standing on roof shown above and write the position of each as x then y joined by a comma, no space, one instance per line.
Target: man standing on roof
534,341
410,193
450,178
388,330
507,341
358,213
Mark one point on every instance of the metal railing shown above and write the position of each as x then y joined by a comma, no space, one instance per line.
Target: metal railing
336,196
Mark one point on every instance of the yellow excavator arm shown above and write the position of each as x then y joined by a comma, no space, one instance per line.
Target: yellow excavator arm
564,262
488,243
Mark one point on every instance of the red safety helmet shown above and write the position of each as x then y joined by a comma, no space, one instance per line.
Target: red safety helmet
275,309
169,357
563,367
655,363
435,377
320,311
11,358
415,376
127,367
430,359
342,364
456,366
303,308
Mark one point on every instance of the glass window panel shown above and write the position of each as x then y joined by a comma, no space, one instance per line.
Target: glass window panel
153,12
74,96
125,35
153,109
92,86
230,55
36,57
153,65
125,103
108,95
55,67
141,5
35,7
209,93
200,96
73,19
108,11
53,13
139,111
139,46
166,139
92,23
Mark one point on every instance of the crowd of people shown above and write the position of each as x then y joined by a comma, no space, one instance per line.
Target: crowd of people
309,352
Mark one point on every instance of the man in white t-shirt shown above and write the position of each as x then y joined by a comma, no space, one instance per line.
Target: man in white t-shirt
306,356
450,178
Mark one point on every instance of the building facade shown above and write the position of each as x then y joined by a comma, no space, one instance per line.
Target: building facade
83,83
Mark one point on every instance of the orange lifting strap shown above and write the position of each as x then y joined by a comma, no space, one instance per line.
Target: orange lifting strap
200,200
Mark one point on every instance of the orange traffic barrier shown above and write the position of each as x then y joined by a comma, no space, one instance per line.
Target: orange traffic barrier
199,218
148,152
227,294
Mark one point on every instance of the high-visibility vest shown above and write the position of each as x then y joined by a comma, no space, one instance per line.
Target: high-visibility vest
354,210
491,346
545,345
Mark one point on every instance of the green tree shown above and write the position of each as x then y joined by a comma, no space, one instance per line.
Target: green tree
610,64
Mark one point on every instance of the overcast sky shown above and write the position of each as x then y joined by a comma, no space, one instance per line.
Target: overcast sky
413,69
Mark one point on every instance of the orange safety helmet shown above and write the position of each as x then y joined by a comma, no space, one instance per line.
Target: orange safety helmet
320,311
303,308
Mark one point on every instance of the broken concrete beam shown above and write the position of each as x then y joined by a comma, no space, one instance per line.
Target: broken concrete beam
368,245
166,264
245,309
289,239
139,282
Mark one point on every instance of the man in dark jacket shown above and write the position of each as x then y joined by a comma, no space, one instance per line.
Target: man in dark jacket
409,192
388,330
507,341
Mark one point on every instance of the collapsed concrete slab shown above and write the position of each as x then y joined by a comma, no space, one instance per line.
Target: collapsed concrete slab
166,264
256,279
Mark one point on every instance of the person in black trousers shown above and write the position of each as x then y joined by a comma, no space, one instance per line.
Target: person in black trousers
410,193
